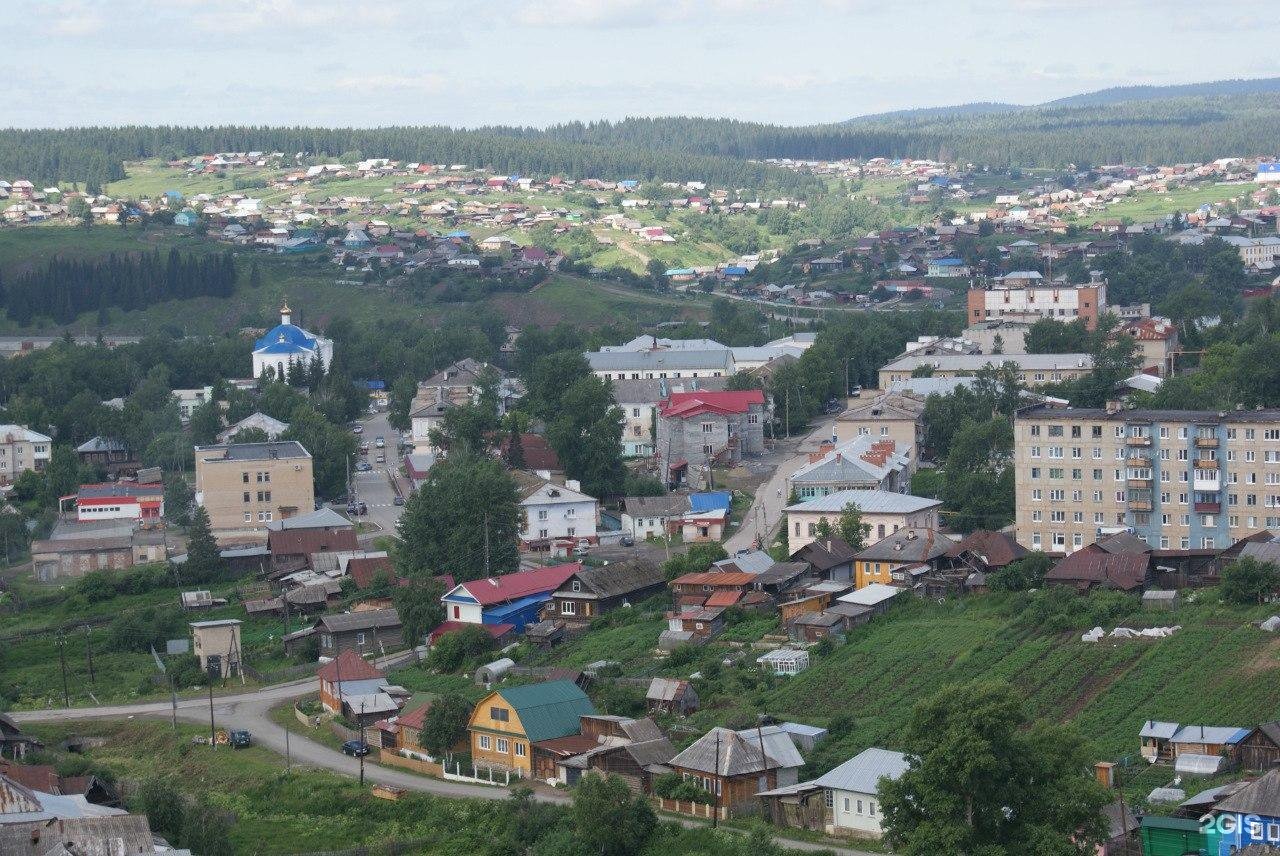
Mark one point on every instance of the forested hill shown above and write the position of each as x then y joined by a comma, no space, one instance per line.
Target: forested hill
1214,88
95,155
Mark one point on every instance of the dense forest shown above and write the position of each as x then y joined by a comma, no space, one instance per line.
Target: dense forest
63,289
1232,117
94,155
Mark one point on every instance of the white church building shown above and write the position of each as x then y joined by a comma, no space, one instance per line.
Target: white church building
289,343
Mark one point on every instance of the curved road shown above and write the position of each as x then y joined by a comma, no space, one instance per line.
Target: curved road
251,711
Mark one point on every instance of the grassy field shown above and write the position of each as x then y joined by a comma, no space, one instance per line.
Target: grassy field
1218,670
1149,206
30,666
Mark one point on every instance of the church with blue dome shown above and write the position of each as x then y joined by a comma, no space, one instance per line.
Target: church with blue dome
289,343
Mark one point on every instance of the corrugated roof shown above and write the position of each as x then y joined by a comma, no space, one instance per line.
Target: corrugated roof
508,587
548,710
349,666
366,620
737,756
1260,798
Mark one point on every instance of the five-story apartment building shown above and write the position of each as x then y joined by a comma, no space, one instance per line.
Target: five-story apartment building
1179,479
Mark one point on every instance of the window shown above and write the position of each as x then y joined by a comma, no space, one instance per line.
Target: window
248,517
520,749
859,806
569,607
246,496
846,802
499,714
245,476
708,427
503,745
484,741
542,514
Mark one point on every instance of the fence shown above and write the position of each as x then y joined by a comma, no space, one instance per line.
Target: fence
391,758
691,809
342,732
475,778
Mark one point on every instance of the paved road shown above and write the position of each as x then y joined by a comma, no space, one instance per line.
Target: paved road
765,513
252,710
375,487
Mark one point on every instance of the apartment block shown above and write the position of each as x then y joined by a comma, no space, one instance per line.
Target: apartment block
1025,296
246,486
1179,479
22,449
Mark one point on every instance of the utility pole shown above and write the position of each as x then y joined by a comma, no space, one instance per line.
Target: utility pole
62,658
715,785
787,426
486,545
364,747
88,650
213,734
288,759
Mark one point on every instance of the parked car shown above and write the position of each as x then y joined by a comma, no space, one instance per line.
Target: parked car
399,500
240,739
627,541
581,548
359,429
363,466
380,442
381,459
355,748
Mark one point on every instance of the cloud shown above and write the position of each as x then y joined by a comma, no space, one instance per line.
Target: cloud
430,83
75,19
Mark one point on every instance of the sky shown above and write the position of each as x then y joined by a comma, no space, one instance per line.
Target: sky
541,62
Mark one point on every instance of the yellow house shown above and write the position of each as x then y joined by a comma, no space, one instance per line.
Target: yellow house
907,548
507,722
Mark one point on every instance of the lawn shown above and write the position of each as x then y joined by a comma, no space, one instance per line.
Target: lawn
1146,205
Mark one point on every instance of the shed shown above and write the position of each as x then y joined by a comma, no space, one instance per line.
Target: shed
805,737
490,673
670,695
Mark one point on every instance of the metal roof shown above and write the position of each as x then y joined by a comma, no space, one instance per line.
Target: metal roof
660,360
868,501
548,710
871,595
862,773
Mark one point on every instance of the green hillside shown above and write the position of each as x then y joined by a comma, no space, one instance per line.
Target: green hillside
1218,670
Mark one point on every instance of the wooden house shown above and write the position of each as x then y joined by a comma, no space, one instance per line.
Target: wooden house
729,767
671,695
591,592
507,722
345,676
635,750
694,590
1260,750
374,631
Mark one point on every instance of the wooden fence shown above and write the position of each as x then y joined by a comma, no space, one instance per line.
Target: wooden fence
689,808
391,758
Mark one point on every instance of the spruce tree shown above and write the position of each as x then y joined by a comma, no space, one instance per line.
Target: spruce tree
204,559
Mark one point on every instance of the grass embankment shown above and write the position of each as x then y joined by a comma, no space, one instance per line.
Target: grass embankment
123,667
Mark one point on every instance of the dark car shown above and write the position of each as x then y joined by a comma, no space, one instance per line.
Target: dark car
355,748
627,541
399,500
240,739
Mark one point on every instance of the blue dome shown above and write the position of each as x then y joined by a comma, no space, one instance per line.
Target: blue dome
285,339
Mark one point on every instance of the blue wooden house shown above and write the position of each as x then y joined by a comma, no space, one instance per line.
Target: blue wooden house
186,217
1249,816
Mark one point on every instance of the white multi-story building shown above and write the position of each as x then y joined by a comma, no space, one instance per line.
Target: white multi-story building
556,512
22,449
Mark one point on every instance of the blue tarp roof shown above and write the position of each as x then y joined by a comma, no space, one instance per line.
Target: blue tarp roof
735,270
499,613
458,233
709,501
375,384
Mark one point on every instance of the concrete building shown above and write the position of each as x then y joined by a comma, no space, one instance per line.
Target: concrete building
887,417
22,449
246,486
648,365
863,463
455,385
1025,296
639,399
120,501
1259,253
1178,479
883,513
216,645
699,428
1032,369
555,512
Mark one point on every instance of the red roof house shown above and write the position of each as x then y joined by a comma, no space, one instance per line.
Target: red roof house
687,404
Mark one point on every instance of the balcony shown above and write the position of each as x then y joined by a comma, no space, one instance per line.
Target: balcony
1135,458
1212,485
1139,484
1208,507
1139,442
1139,505
1205,464
1206,442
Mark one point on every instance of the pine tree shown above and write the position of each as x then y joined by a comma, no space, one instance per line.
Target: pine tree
255,276
204,559
515,449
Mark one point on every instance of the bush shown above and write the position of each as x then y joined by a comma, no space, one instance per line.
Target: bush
454,649
673,787
682,655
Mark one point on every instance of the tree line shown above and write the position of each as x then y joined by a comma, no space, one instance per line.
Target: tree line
65,288
94,155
